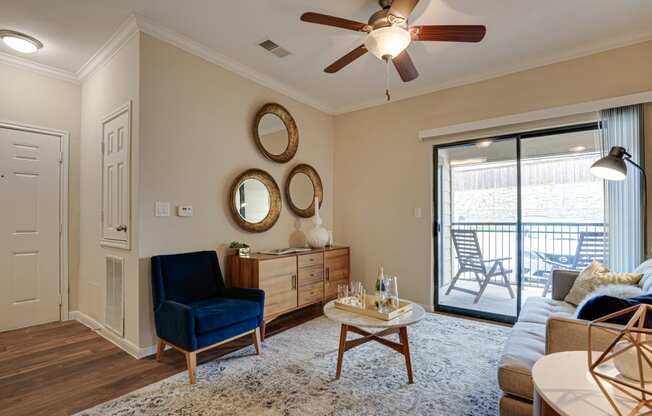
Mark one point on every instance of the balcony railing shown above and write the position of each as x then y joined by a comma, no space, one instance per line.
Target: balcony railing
545,245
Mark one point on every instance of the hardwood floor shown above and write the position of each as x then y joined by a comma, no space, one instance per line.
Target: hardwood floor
64,367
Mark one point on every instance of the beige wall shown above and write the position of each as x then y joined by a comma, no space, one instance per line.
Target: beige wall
195,139
382,172
110,87
37,100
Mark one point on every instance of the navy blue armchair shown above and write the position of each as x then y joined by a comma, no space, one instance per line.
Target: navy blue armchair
194,311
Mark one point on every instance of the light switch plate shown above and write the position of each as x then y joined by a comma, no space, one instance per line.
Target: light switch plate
162,209
184,210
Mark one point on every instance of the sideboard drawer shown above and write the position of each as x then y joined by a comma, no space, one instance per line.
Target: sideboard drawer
310,275
308,260
312,293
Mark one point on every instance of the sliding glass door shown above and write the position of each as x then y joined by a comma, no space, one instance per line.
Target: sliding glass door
477,222
562,205
508,211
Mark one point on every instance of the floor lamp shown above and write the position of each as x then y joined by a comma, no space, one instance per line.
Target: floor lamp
613,168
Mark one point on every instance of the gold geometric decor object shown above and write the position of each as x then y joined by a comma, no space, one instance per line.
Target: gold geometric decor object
625,366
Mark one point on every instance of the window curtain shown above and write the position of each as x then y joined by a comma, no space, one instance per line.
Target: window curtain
624,214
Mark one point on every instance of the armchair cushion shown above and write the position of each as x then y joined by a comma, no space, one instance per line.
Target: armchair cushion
215,313
187,277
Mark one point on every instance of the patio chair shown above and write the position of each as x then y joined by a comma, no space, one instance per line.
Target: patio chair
591,246
470,260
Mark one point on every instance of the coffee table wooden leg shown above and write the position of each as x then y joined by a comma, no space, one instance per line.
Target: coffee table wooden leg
340,352
403,335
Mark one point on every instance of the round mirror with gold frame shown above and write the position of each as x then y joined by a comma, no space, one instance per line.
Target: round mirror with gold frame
301,187
255,200
276,133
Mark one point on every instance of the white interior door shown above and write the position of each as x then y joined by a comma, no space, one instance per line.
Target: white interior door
30,169
115,178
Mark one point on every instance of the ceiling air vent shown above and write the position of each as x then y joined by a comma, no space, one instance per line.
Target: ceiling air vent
274,48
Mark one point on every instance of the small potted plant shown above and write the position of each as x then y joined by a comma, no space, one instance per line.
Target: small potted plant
242,249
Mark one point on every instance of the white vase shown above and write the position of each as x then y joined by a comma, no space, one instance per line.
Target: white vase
317,235
627,362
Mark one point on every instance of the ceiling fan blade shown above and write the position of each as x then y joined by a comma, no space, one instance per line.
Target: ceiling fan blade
402,8
449,33
324,19
346,59
405,67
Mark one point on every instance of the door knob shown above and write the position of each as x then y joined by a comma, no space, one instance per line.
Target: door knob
121,228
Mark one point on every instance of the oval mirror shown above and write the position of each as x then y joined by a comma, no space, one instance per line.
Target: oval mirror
276,133
301,188
255,200
273,134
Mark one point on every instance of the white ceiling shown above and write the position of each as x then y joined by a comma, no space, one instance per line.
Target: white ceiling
520,34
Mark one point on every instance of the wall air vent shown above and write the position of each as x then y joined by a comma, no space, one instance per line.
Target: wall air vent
272,47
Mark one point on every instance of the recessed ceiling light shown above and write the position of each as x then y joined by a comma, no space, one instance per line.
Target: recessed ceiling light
484,143
20,42
576,149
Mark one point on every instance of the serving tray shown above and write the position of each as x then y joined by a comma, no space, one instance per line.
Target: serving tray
371,311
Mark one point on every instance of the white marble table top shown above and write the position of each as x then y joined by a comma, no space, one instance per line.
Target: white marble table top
564,382
349,318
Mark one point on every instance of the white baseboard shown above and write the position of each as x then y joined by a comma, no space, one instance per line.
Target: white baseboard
126,345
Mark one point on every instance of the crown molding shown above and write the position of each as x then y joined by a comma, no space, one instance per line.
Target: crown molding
568,56
46,70
198,49
126,30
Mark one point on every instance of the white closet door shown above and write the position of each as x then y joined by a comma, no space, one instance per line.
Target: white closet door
115,179
29,228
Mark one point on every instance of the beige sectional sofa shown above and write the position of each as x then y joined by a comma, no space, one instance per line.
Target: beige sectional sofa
545,326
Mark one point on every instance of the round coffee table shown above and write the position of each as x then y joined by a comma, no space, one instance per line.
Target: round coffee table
562,380
353,322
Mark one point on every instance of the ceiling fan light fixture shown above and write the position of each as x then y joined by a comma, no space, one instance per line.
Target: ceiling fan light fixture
20,42
387,41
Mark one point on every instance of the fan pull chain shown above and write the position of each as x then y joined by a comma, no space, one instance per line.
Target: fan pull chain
389,97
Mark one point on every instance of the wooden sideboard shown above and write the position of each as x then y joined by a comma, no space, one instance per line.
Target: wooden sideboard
292,281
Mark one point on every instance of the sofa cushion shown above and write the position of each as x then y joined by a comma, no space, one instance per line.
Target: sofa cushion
212,314
537,310
525,345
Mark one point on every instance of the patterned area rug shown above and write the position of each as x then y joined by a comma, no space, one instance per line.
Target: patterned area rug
454,363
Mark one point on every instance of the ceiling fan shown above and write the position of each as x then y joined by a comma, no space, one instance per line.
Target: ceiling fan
388,35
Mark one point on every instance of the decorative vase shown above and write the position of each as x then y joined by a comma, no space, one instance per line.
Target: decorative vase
317,235
627,362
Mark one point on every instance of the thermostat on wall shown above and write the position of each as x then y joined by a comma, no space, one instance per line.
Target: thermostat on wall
184,210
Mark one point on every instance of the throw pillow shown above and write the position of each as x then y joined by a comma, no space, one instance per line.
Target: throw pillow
645,269
615,291
582,285
599,306
595,275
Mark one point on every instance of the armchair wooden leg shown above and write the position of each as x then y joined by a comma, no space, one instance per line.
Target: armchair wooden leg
256,337
191,361
159,349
